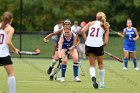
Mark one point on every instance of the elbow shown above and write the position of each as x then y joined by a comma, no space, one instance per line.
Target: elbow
8,43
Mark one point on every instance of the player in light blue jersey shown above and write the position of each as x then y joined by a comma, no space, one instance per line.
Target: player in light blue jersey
67,45
130,36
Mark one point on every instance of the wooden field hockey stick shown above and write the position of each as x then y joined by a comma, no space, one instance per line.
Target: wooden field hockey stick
113,56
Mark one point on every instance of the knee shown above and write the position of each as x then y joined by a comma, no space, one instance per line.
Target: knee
75,59
64,62
101,66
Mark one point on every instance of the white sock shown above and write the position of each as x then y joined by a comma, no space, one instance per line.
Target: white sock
92,72
53,62
12,84
101,76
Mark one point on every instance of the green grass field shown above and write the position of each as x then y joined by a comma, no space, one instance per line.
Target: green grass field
31,77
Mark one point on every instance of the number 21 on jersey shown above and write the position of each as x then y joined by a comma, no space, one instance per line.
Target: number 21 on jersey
94,32
1,38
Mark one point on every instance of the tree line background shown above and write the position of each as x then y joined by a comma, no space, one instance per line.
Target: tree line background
42,15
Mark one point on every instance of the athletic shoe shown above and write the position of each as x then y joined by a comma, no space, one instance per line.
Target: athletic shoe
95,84
125,68
102,86
77,79
62,79
136,68
49,70
51,78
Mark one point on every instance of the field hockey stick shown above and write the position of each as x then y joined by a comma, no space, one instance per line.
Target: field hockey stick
37,52
113,56
57,69
118,33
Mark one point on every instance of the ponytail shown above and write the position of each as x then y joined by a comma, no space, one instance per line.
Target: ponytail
105,24
102,17
6,19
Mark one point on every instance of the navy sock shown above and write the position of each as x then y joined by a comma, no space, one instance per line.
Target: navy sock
75,69
63,70
125,62
135,62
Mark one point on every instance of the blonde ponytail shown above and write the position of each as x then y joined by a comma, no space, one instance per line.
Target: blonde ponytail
102,17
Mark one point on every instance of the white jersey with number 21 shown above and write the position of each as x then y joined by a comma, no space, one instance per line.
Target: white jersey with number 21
95,35
4,50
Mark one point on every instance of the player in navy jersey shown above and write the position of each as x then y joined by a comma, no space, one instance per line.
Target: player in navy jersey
67,44
130,36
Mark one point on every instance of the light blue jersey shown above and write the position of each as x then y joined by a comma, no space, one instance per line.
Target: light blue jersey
129,43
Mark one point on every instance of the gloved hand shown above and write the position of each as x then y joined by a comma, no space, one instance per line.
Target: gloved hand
60,60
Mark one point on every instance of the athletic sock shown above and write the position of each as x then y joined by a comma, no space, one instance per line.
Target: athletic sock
92,72
101,76
53,63
12,84
125,62
63,69
135,62
75,69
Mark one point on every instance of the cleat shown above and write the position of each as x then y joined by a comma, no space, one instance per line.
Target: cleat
102,87
49,70
125,68
136,68
62,79
77,79
51,78
95,84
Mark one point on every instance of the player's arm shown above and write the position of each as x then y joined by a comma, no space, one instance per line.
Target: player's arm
120,34
9,40
106,36
78,40
84,29
46,39
124,32
60,47
137,35
74,42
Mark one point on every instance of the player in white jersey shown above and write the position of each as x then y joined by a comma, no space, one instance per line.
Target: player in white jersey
6,33
94,45
55,38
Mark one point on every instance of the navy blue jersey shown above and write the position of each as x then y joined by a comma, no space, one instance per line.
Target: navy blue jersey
129,43
67,43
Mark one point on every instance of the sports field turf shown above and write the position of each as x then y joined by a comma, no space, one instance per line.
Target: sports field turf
31,77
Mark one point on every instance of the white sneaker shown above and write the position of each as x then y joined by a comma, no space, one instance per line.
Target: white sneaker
102,86
124,68
62,79
77,79
136,68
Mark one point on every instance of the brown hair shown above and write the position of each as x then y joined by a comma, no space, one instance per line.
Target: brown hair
102,17
6,19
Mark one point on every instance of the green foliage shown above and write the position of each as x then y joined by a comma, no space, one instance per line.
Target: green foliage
42,15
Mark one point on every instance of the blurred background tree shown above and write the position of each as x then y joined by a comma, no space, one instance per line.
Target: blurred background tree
42,15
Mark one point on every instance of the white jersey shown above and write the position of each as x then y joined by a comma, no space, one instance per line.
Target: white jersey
56,28
95,35
76,29
4,49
